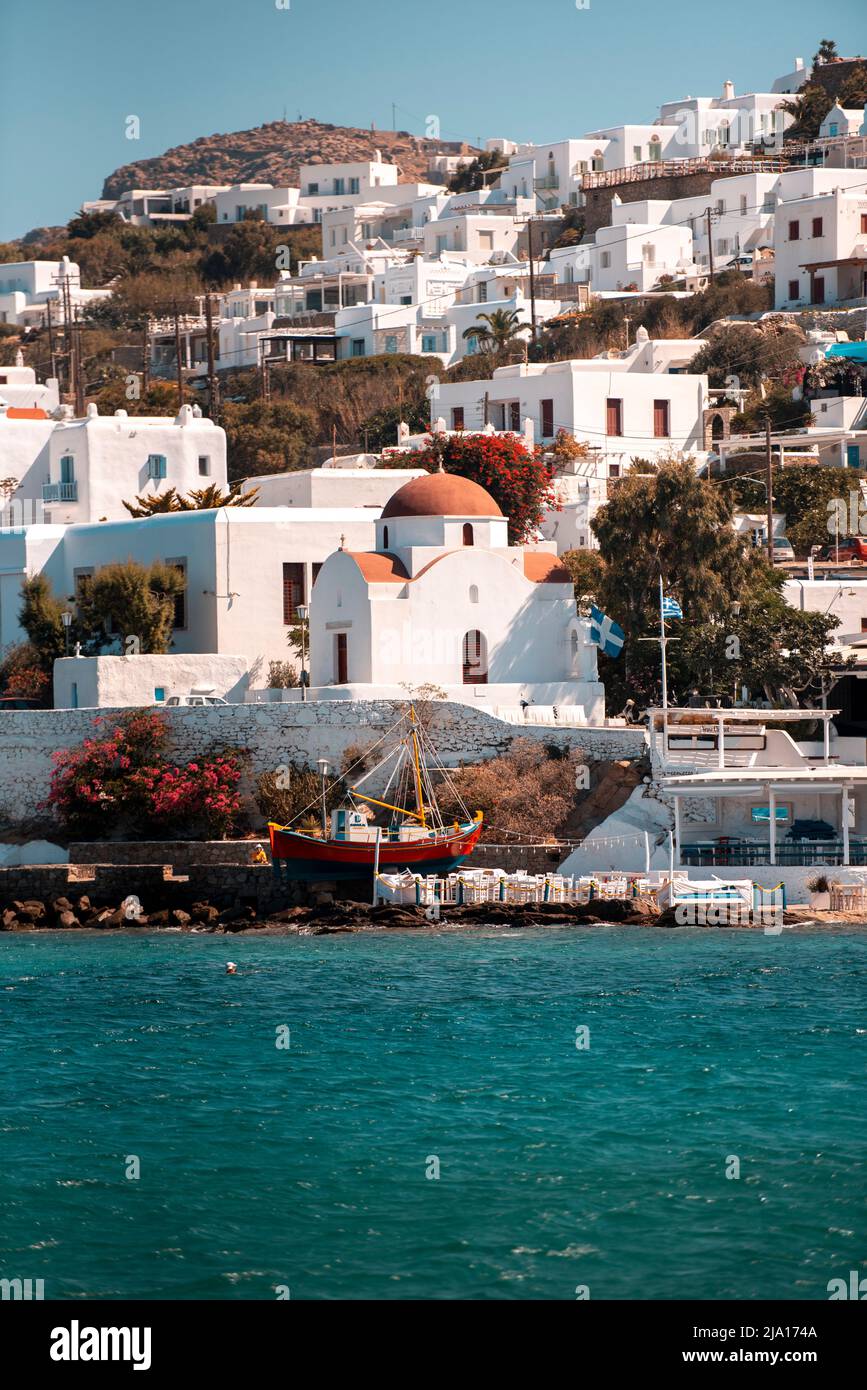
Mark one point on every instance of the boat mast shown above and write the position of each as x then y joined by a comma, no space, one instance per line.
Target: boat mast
419,794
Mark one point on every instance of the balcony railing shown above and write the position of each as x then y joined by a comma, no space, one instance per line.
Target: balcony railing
60,492
548,181
788,853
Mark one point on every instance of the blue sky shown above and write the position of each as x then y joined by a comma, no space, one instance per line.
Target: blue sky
527,69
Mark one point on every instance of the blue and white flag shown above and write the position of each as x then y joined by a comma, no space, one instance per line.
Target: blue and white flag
671,608
606,633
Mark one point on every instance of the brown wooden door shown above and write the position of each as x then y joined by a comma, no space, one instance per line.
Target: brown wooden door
341,658
818,289
613,416
660,420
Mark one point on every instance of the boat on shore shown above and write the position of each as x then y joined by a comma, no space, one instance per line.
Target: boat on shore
415,836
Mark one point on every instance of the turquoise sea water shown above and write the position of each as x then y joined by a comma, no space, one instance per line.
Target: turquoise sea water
306,1167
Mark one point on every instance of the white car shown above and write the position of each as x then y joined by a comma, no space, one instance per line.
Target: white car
783,549
194,700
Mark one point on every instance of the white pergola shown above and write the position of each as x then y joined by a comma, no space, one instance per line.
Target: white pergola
770,783
718,722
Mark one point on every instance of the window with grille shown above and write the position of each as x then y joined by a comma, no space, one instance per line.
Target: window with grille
293,591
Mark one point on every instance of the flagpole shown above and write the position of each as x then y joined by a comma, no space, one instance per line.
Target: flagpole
662,642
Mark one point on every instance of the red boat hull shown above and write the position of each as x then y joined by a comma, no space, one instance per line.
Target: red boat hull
306,857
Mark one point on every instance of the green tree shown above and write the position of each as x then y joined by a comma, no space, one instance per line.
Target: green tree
826,52
750,355
675,524
809,108
127,599
496,332
587,569
267,437
477,173
40,617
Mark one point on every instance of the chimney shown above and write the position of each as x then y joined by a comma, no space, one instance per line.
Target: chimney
728,91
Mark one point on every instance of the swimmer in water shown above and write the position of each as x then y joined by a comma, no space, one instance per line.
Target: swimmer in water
231,968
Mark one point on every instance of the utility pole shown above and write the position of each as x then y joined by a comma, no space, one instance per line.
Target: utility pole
51,339
145,358
79,363
769,475
69,343
178,356
626,322
532,280
710,242
212,379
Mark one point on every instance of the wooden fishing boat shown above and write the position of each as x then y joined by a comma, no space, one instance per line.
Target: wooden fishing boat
349,845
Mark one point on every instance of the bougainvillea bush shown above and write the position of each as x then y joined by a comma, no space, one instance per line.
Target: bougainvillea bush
518,478
120,780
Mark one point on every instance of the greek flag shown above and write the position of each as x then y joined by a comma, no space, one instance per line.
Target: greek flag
606,633
671,608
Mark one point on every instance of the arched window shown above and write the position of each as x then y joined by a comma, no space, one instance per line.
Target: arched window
385,538
718,427
468,534
474,593
475,658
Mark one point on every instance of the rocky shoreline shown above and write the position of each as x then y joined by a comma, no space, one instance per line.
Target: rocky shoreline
327,917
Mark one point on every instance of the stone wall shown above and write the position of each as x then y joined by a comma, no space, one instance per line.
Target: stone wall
598,200
223,886
275,734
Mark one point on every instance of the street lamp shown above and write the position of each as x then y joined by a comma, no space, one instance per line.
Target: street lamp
323,765
302,610
66,619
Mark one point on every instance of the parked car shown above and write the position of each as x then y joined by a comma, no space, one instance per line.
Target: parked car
194,700
850,548
783,549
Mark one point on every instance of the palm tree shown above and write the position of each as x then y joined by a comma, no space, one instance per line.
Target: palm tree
497,331
199,500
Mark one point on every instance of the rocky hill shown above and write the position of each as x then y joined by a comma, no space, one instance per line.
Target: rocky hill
273,154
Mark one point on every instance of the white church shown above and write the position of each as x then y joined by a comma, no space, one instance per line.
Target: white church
444,600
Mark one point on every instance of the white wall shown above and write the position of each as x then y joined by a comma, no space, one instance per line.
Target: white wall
105,682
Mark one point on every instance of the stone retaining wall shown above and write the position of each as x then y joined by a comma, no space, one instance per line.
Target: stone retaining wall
223,886
278,733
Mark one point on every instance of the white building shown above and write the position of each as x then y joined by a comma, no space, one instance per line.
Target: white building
280,205
20,390
444,599
631,255
28,288
842,121
820,238
641,403
81,470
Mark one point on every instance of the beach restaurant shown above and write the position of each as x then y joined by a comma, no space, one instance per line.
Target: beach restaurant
749,789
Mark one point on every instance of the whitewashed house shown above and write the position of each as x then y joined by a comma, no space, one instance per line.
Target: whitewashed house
642,403
27,288
20,390
842,121
280,206
81,470
820,238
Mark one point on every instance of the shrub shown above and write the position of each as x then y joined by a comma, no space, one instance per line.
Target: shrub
518,793
120,780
